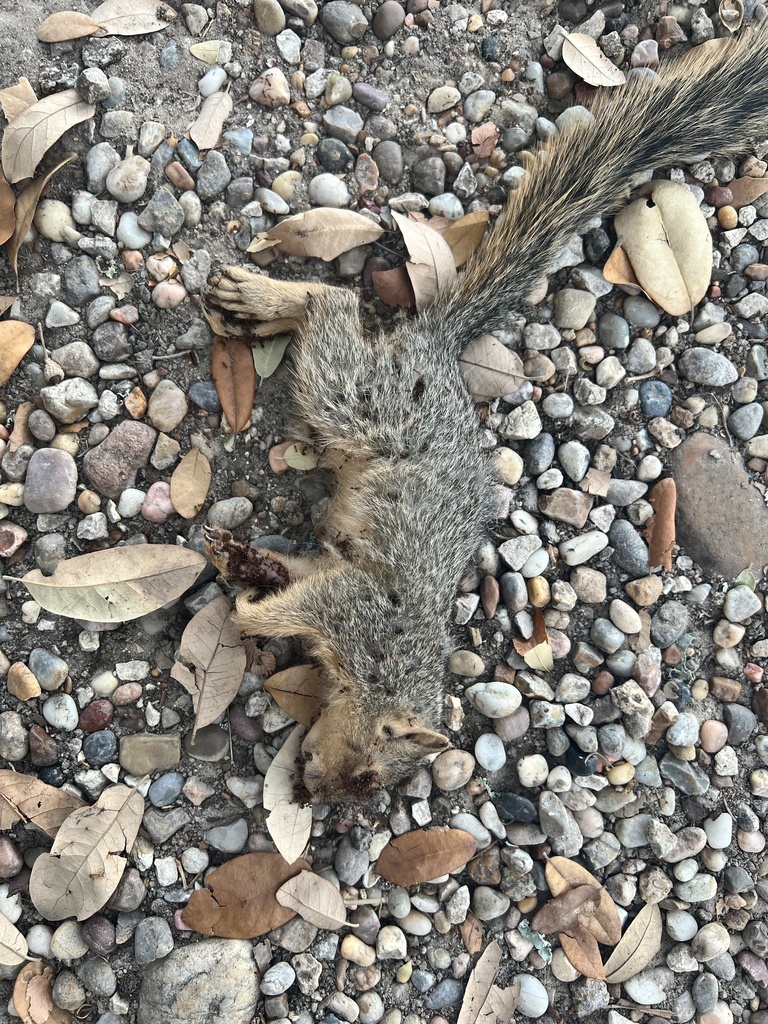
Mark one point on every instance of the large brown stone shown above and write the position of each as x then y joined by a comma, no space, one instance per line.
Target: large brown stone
111,467
722,521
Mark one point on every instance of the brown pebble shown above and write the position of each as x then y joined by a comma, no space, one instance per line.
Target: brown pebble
719,196
489,595
96,716
723,688
668,32
559,84
485,868
132,260
42,747
22,682
11,860
760,705
602,683
727,218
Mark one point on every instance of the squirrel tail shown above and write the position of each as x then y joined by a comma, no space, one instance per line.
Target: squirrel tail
711,101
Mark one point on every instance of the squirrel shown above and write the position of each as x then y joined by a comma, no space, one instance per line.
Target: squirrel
392,417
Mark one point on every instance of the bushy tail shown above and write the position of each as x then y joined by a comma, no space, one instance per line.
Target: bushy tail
712,101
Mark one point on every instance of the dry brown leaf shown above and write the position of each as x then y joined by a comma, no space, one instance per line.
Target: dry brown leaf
731,14
565,911
580,946
21,434
207,51
618,269
25,798
465,235
582,55
189,484
33,995
31,133
16,339
13,945
638,946
234,375
85,864
431,267
298,691
537,650
212,646
322,232
746,190
315,899
289,822
7,216
26,204
394,287
501,1004
239,901
117,18
471,931
563,874
6,301
490,370
120,286
116,585
660,528
420,856
479,984
16,98
484,139
206,131
669,245
66,25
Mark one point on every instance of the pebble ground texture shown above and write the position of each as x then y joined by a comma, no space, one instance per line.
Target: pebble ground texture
644,755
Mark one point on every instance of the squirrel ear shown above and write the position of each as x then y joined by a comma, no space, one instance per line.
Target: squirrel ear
407,729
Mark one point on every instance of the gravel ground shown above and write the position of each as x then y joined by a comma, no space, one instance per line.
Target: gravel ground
644,755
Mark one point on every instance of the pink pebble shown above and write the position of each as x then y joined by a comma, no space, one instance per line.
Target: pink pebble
12,536
169,294
753,672
157,505
179,922
124,314
713,736
750,842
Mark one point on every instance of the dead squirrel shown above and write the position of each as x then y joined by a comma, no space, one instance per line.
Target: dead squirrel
393,419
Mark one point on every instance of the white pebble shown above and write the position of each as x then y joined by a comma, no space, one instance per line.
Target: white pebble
533,1000
494,699
532,770
328,190
60,711
212,81
489,751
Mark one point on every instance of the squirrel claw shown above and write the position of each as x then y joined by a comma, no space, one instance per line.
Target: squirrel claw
235,559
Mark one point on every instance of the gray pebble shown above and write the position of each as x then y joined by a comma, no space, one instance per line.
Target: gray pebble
478,105
81,280
388,157
228,838
277,979
703,366
51,479
349,862
162,214
613,331
344,21
745,421
49,669
629,549
341,122
14,744
152,940
99,162
687,777
641,357
446,993
229,513
214,175
669,623
97,976
641,312
165,790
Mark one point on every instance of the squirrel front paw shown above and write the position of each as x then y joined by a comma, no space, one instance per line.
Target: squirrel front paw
237,560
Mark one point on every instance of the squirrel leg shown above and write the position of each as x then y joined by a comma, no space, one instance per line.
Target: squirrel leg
288,612
239,303
257,567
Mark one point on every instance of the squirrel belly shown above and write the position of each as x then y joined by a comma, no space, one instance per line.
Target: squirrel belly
392,418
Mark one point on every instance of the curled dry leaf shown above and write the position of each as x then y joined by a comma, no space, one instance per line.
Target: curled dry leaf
289,822
17,98
490,370
731,14
563,874
31,134
33,995
117,18
618,269
189,484
298,691
581,948
583,56
239,901
267,355
638,946
431,267
25,798
484,139
13,945
66,25
315,899
419,856
565,911
85,864
120,286
668,243
323,232
394,287
234,375
479,984
116,585
537,650
465,235
206,130
746,190
300,455
24,213
21,434
660,528
7,204
211,644
16,339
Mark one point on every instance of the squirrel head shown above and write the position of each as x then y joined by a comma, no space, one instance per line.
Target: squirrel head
349,754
